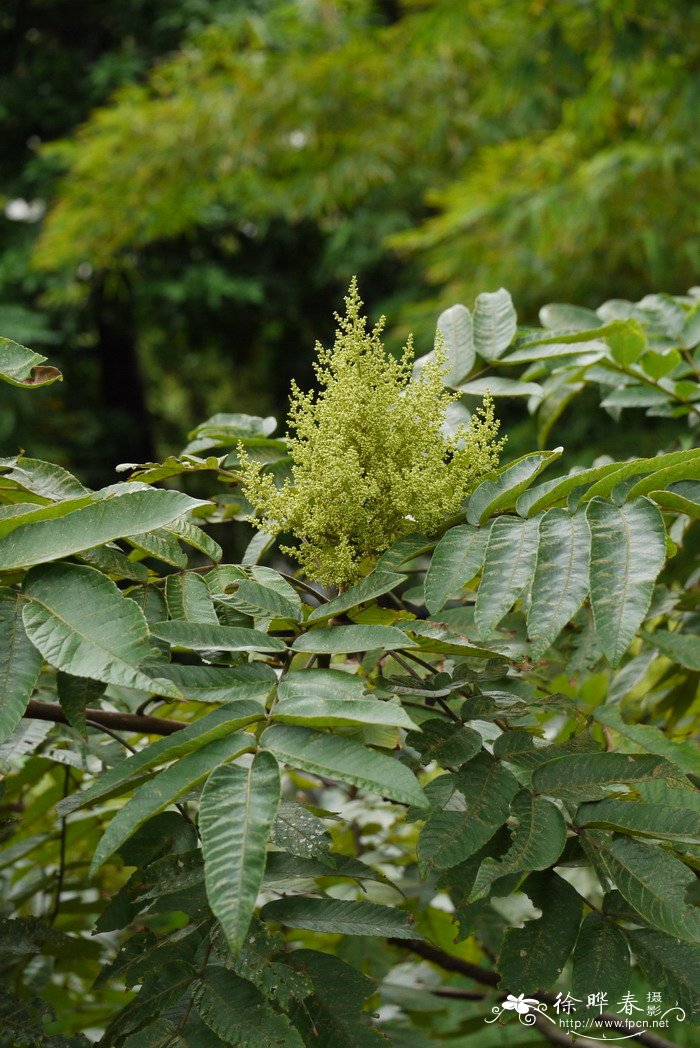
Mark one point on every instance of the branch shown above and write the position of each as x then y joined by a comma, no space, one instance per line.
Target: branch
48,711
488,977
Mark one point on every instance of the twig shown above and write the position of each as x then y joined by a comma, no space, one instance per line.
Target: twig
62,854
305,586
488,977
49,711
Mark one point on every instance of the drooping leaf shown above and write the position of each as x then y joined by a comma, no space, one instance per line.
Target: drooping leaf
91,525
660,821
668,963
188,599
200,636
165,788
495,323
338,640
494,496
457,558
253,680
533,956
497,386
560,582
344,759
601,959
654,883
333,1015
82,624
538,838
20,663
444,742
510,561
581,776
628,550
194,536
238,1013
236,813
75,694
480,805
339,916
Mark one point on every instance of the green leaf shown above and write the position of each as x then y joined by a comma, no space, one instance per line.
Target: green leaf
495,496
75,694
23,367
660,821
678,502
253,680
344,759
574,318
373,585
20,663
601,959
444,742
560,582
511,555
687,470
238,1013
82,624
132,771
160,545
321,684
439,638
318,711
533,956
495,323
165,788
236,813
340,917
337,640
654,883
188,599
458,557
500,387
332,1017
45,479
196,636
455,327
581,776
194,536
538,838
480,805
258,600
667,962
111,561
98,522
626,340
683,648
683,754
636,467
300,832
549,492
628,550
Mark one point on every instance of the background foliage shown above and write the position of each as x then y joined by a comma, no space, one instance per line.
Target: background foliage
223,168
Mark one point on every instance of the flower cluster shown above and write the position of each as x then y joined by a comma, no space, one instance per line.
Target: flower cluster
371,459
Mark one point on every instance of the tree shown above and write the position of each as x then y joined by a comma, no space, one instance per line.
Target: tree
496,714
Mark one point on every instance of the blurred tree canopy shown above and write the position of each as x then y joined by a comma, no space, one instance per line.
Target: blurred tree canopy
222,169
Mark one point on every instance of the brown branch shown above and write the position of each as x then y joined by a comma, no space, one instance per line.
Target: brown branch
49,711
488,977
